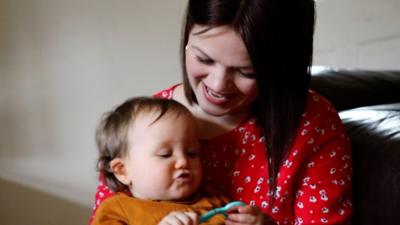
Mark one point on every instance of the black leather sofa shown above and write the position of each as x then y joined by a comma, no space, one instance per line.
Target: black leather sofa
369,106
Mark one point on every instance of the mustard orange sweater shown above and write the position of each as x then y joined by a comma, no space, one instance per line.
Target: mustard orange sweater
122,209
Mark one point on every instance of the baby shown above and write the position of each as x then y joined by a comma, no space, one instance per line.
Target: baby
150,147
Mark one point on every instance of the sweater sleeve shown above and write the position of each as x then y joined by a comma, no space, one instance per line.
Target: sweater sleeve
110,212
323,190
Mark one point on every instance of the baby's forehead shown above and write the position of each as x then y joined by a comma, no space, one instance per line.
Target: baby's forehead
154,115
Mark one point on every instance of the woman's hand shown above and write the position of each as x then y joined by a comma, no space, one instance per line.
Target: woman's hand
247,215
180,218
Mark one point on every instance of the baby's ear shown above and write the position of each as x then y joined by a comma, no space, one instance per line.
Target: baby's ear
119,169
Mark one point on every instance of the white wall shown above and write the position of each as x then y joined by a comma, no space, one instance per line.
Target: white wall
358,34
62,64
65,62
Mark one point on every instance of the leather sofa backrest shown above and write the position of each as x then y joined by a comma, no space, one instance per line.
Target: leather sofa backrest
348,89
375,138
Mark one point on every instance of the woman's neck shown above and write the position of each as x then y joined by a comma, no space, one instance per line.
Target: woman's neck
209,125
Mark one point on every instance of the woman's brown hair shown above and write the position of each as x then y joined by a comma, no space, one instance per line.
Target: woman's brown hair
278,36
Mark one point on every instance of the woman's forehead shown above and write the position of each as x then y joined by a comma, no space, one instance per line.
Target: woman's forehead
206,31
220,43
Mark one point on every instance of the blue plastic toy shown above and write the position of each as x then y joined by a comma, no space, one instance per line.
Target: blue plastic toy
221,210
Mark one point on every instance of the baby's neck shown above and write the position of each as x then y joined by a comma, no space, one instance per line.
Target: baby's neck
190,199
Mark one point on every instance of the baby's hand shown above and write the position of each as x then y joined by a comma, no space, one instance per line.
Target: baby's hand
180,218
247,215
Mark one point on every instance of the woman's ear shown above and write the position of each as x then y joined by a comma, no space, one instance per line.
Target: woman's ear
120,171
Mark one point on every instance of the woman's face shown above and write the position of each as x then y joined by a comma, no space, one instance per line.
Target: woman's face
219,71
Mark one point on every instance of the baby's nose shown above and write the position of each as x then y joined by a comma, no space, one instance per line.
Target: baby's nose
181,162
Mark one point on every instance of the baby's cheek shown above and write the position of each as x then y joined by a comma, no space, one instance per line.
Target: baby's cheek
198,177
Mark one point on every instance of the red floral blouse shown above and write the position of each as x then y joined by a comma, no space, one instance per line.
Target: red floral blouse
314,182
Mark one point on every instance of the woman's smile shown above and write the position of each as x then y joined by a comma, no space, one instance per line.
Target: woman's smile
215,97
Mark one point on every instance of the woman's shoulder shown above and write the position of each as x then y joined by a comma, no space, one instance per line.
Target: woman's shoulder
320,117
167,93
319,125
318,106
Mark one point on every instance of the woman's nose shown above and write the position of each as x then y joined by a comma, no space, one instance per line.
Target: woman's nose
220,79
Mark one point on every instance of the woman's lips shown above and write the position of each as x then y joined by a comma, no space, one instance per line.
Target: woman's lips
215,97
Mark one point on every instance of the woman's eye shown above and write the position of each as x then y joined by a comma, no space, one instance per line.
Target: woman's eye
206,61
247,75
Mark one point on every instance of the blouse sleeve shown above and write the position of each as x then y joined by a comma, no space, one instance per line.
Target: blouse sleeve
167,93
323,190
102,194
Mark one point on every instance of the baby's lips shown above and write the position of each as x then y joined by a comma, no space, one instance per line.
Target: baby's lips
184,174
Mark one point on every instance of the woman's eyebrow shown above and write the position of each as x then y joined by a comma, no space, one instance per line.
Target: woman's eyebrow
201,51
245,67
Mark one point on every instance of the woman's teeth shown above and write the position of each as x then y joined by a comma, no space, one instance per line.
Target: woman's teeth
215,95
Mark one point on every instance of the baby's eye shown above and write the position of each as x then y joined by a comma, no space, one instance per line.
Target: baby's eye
164,154
193,153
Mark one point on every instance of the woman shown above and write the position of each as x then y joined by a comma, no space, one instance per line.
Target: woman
267,139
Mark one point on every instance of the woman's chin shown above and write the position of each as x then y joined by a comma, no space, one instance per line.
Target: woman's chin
212,110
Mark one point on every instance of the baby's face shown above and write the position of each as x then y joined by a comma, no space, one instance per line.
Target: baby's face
163,158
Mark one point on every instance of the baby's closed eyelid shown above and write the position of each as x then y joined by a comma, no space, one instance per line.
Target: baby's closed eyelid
164,153
193,152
